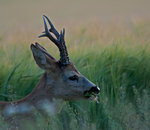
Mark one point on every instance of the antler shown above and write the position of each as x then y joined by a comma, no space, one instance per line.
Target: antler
58,41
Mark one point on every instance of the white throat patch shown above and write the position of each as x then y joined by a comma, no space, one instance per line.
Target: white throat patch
50,107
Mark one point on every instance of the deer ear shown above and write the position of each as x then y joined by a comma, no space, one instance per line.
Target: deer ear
41,58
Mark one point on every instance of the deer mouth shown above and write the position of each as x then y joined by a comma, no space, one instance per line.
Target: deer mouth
91,95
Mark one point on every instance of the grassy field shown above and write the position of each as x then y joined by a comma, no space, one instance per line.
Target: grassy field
116,57
108,41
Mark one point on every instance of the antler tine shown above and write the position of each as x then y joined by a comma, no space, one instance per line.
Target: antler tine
63,31
62,36
52,29
47,33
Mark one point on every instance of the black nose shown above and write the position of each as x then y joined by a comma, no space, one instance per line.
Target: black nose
95,89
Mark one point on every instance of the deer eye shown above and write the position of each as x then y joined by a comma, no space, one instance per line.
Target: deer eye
75,77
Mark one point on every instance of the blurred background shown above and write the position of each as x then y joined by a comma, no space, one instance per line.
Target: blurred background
27,14
108,41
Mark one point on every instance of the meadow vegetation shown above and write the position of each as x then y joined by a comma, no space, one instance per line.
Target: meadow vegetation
114,56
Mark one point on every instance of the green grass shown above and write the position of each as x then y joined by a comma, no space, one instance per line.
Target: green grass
116,59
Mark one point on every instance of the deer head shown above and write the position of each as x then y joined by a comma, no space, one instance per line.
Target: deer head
64,81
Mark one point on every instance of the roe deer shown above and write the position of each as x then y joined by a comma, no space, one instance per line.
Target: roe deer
61,81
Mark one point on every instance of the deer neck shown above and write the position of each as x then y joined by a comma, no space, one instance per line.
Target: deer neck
45,99
38,99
